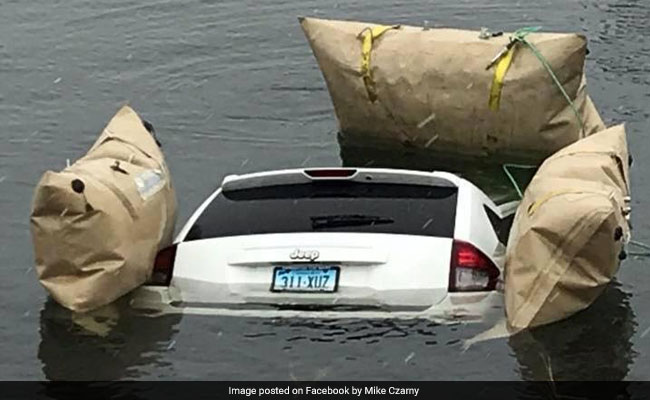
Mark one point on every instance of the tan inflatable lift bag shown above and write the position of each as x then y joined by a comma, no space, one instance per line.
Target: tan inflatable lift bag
430,88
568,232
98,224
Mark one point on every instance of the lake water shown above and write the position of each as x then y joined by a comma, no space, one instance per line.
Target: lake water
232,87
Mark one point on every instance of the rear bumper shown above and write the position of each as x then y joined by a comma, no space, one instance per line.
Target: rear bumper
468,307
353,293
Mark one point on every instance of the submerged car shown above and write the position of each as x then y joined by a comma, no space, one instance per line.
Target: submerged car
337,242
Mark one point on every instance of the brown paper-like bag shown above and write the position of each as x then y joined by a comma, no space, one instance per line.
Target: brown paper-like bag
98,224
568,231
430,88
601,157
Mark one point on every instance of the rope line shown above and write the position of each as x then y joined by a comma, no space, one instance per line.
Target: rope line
506,170
520,36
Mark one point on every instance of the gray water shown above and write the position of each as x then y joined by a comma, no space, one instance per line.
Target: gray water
232,87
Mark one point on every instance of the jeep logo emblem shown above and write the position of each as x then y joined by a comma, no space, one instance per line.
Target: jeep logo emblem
309,255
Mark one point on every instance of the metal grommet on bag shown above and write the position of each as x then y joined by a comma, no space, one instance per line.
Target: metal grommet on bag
78,186
618,233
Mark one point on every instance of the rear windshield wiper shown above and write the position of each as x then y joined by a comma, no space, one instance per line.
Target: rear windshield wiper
337,221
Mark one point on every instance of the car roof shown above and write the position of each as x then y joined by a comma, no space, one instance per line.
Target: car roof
366,175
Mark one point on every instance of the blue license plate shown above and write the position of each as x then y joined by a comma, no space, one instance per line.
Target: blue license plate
305,279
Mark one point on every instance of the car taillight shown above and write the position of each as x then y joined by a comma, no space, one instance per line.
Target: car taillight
163,267
471,270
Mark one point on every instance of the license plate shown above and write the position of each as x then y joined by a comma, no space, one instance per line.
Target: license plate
305,279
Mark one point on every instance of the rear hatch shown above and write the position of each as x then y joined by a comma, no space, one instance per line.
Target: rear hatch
326,243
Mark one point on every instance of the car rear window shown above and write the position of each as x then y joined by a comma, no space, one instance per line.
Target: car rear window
327,206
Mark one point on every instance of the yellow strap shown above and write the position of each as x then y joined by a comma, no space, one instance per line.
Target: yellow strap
499,75
538,203
367,37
